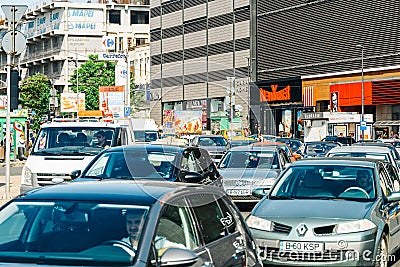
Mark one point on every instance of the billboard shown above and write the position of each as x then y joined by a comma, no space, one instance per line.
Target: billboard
72,102
111,99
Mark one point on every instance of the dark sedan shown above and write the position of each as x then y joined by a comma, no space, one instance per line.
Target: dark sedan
329,211
317,148
145,161
90,224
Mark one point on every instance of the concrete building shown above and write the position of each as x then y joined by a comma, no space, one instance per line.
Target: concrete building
195,46
61,35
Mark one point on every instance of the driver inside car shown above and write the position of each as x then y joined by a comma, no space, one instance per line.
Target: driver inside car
364,181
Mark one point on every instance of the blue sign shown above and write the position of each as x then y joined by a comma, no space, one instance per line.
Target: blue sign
363,125
127,111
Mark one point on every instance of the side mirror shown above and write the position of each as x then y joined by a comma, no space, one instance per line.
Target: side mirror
75,174
192,177
178,257
393,197
258,193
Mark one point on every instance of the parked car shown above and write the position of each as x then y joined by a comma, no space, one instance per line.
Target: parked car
246,168
319,212
214,144
158,162
87,224
61,147
317,148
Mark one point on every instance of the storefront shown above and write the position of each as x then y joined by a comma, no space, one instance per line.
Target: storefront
281,107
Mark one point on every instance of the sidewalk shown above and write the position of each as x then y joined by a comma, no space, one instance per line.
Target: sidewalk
15,183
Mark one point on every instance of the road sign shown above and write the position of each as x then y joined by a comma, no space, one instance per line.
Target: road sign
111,56
127,111
108,42
20,42
363,125
14,13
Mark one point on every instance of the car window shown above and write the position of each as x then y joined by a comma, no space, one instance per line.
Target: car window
324,181
385,182
251,159
212,221
360,155
394,177
189,162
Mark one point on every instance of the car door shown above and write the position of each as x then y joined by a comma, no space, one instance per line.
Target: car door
218,228
176,229
391,210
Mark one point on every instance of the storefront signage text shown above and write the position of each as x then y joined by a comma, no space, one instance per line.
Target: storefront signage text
275,95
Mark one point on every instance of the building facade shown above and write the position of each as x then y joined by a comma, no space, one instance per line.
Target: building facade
197,47
61,35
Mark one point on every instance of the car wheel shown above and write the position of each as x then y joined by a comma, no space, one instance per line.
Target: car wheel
382,252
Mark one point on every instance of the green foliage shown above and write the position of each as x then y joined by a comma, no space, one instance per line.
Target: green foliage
137,97
34,94
91,75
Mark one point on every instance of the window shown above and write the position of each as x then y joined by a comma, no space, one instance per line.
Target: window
139,17
114,16
211,220
140,41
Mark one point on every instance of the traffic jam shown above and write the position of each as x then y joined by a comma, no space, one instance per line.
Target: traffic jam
123,193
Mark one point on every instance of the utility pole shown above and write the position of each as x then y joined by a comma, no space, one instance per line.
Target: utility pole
17,40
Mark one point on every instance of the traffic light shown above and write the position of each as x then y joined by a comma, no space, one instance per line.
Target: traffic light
14,89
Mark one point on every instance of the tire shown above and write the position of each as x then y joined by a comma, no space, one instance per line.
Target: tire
382,252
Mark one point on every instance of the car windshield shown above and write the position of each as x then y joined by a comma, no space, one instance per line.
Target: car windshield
68,232
381,156
129,164
332,181
212,141
319,148
145,136
250,159
72,140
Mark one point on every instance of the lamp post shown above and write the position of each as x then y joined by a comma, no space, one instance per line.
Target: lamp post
362,126
249,62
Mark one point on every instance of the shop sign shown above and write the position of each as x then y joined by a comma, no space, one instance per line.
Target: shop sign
275,95
311,116
280,91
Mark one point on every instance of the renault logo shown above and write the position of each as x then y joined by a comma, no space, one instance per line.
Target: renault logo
301,229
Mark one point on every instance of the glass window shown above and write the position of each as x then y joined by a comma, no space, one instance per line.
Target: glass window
139,17
38,229
114,16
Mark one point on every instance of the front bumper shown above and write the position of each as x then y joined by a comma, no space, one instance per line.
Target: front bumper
335,253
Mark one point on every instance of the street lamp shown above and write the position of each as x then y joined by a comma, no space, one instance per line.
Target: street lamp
362,123
249,62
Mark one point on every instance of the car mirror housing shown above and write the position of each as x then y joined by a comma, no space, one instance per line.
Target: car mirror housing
193,177
395,196
75,174
178,257
259,192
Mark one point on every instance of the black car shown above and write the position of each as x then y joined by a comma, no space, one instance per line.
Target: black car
344,140
87,224
158,162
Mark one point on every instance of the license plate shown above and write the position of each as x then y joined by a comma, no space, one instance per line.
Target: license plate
301,246
238,192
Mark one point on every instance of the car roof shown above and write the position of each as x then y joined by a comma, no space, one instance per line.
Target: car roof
142,192
359,149
256,148
150,147
85,124
348,161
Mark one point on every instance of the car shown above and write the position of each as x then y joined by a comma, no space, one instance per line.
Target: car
294,144
87,224
344,140
377,152
317,148
293,156
391,146
158,162
64,146
245,168
214,144
236,142
322,211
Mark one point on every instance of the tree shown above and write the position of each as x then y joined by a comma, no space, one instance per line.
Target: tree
137,97
34,95
91,75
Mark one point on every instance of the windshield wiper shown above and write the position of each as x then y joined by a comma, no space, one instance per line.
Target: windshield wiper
281,197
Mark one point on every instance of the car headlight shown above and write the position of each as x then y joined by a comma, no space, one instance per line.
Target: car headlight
355,226
259,223
26,177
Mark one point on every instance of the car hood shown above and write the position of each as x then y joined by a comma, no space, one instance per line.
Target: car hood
248,173
306,208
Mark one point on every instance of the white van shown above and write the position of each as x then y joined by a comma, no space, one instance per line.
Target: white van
62,147
145,130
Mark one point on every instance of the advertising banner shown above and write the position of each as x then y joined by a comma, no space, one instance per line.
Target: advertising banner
188,121
69,102
111,99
